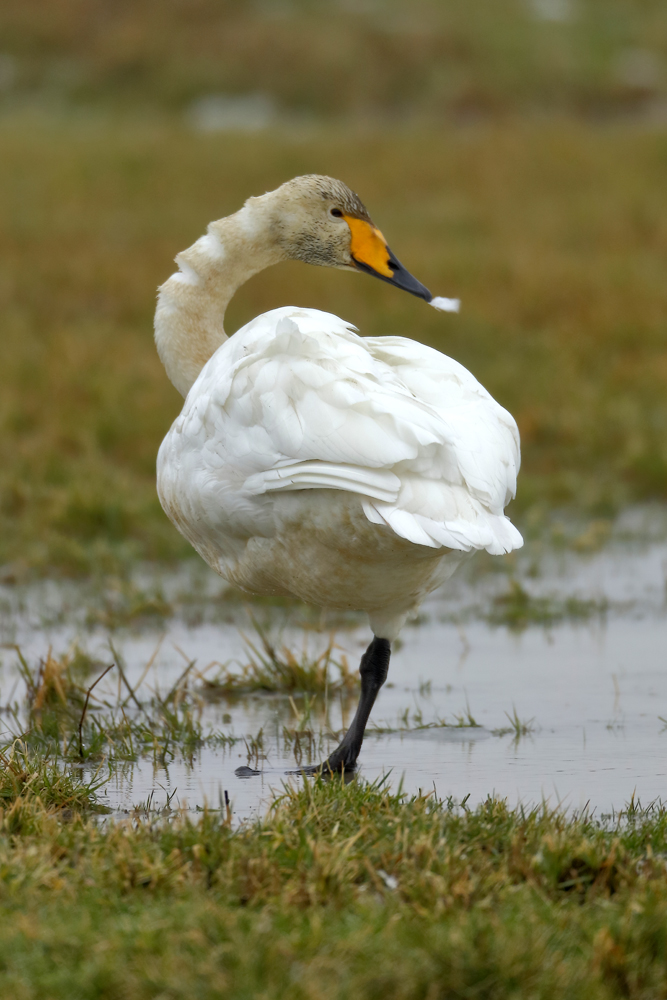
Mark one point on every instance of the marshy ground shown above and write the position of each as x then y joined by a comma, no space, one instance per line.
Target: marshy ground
505,833
540,679
505,836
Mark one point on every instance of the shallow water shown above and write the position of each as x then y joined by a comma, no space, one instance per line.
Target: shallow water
591,691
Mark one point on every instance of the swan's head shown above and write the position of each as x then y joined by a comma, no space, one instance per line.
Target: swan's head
319,220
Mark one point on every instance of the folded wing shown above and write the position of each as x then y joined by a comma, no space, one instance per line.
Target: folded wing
298,401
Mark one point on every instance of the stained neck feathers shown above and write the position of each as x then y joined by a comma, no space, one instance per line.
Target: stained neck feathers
192,302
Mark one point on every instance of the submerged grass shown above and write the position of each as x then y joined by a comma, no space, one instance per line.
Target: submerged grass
272,668
63,710
340,891
412,720
517,727
62,715
517,609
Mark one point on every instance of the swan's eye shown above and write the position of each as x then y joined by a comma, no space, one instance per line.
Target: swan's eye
336,212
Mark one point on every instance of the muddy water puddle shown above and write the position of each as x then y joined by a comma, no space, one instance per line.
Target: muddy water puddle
551,681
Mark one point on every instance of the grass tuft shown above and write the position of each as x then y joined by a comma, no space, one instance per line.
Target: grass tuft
412,720
517,727
517,609
273,668
80,723
126,605
29,776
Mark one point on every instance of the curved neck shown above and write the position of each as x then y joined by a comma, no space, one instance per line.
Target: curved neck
192,302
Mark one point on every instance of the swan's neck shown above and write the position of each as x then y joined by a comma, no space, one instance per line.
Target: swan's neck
191,303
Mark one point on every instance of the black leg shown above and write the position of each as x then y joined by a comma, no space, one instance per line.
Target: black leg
373,669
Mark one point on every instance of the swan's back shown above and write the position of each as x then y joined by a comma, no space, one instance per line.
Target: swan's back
296,400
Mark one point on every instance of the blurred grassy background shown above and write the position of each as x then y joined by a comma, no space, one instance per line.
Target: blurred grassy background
514,154
336,58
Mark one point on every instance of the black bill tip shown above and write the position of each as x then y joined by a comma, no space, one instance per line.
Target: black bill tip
399,278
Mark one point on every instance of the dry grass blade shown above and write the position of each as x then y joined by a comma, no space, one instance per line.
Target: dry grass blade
85,704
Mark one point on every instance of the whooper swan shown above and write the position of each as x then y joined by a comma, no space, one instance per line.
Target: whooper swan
310,462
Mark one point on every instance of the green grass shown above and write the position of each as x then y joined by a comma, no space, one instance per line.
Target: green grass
340,891
66,713
273,668
29,779
517,609
412,720
517,727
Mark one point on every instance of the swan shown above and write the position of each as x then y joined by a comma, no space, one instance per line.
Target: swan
307,461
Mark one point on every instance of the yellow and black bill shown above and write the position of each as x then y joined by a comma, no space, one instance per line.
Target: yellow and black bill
371,254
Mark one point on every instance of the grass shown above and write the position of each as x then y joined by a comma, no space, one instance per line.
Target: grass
63,712
30,777
438,61
341,890
63,715
551,233
517,609
126,605
517,727
272,669
412,720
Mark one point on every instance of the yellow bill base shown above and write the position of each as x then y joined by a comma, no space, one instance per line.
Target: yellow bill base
368,246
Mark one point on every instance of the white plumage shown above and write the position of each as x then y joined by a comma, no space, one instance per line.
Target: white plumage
350,472
297,401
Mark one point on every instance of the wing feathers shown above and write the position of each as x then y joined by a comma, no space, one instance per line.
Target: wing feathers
380,484
296,401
